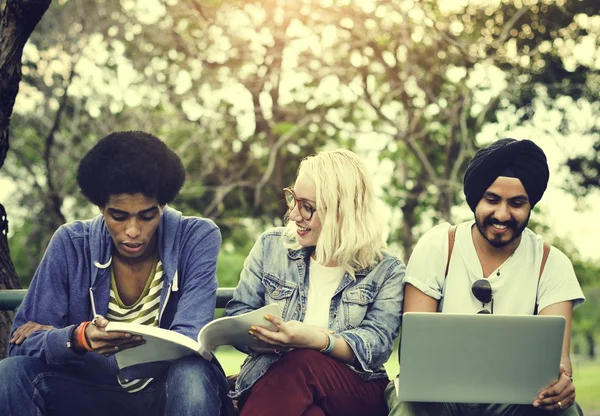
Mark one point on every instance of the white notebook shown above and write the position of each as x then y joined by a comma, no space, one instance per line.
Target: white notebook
163,344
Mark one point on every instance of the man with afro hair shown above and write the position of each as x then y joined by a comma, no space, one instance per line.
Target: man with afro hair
138,261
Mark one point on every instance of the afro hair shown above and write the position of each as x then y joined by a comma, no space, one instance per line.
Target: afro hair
130,162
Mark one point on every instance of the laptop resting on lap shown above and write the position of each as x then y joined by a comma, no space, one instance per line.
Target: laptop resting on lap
470,358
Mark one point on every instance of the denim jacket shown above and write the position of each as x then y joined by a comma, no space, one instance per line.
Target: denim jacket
364,311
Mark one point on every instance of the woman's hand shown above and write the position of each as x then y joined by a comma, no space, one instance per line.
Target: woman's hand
558,396
292,334
108,343
26,329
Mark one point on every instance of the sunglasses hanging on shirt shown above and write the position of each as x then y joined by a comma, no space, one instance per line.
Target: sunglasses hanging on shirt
482,290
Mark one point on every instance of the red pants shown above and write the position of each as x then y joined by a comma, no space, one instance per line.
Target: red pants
307,383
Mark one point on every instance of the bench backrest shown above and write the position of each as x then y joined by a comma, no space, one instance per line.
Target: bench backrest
11,299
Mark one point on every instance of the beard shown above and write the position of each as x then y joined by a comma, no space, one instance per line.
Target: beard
515,228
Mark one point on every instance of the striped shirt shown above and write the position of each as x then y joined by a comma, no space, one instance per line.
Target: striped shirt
144,311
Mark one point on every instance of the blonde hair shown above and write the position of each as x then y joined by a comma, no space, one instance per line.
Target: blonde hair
351,235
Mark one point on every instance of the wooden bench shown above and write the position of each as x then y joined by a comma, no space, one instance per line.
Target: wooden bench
11,299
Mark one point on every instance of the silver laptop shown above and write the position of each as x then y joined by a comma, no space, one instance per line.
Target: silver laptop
468,358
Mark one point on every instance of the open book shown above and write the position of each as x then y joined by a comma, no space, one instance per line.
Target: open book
163,344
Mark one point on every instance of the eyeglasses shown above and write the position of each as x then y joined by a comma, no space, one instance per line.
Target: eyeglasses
304,208
482,290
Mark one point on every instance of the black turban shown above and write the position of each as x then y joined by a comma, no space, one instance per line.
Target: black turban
522,159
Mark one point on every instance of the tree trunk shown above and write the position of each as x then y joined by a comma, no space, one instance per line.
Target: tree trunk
8,280
589,337
409,222
409,207
18,18
445,203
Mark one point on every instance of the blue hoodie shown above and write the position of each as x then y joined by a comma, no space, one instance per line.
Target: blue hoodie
76,267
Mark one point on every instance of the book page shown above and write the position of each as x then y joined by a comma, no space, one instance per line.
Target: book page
161,345
233,330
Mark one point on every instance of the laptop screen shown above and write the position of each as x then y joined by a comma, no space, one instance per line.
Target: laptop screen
469,358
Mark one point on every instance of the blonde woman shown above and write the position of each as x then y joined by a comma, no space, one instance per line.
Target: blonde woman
339,291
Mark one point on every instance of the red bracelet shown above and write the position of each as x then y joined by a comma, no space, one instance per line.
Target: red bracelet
81,338
568,375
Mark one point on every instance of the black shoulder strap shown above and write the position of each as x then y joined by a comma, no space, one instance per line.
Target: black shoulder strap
451,238
544,259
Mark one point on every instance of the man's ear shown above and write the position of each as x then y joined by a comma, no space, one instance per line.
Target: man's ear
101,209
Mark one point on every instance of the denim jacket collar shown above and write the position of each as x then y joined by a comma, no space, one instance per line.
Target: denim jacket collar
301,253
306,252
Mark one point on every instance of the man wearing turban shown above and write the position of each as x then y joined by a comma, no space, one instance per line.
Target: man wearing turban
495,264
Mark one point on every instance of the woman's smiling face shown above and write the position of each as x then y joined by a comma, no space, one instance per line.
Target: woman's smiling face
308,230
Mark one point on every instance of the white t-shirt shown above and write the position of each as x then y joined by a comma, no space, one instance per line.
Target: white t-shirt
514,291
322,283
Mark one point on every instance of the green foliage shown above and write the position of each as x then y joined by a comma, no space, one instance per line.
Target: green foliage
587,382
586,170
243,90
23,254
586,318
229,268
237,242
588,273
